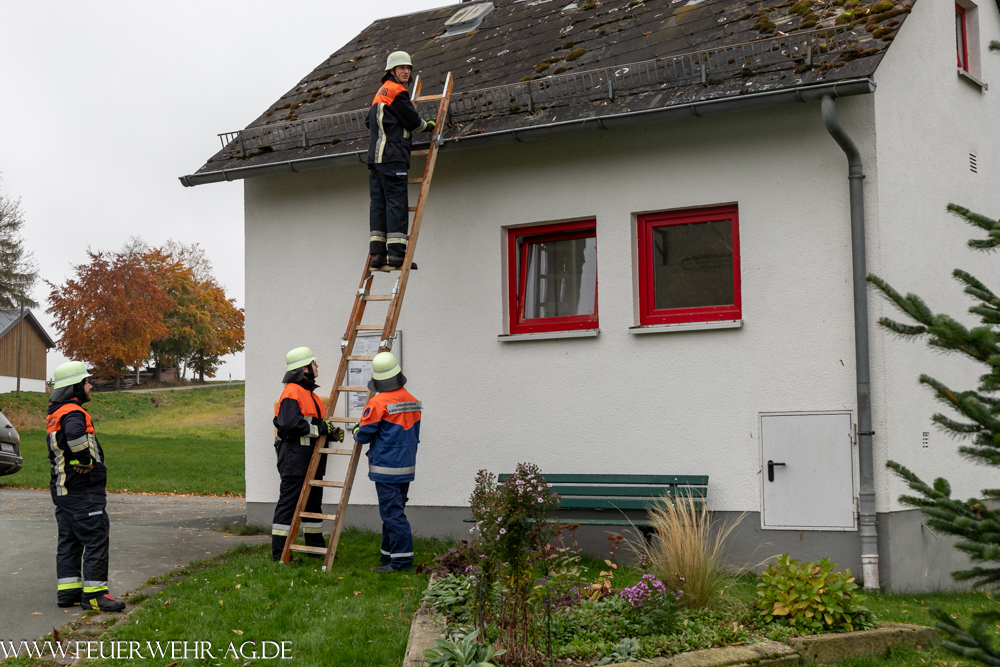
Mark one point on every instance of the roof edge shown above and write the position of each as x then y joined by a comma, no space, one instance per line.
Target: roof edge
748,102
28,315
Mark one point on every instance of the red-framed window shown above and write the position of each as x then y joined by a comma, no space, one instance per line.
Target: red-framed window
689,266
961,38
552,273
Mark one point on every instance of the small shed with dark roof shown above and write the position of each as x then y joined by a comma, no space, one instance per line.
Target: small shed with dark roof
34,344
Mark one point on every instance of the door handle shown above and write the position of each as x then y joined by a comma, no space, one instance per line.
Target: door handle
770,469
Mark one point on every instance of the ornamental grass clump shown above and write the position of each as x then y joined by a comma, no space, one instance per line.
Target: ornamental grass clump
688,551
811,597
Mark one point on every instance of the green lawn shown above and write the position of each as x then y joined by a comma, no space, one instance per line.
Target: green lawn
165,442
351,616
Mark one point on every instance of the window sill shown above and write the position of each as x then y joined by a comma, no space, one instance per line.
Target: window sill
548,335
687,326
962,74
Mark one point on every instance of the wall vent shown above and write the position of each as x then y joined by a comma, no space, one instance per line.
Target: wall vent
973,163
467,19
925,440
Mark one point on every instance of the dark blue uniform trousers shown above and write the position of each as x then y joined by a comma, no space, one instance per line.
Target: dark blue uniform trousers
389,208
84,531
397,540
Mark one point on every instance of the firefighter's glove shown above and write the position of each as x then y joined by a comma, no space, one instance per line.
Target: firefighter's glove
357,427
334,433
82,468
431,125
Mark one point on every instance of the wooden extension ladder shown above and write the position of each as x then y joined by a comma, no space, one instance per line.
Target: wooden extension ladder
354,325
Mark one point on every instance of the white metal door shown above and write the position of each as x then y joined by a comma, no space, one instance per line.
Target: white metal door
807,471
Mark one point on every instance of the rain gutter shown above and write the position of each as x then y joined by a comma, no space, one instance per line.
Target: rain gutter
748,102
866,468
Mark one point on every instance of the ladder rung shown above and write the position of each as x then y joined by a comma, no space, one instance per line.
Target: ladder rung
413,209
387,269
369,327
360,357
424,98
315,515
378,297
422,151
416,180
323,482
345,420
344,452
308,550
346,388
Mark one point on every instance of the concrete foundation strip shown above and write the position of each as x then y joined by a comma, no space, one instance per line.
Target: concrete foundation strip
808,650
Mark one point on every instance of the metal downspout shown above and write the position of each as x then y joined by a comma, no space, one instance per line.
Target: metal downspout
866,500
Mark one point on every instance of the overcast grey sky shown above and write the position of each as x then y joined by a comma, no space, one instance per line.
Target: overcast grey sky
104,104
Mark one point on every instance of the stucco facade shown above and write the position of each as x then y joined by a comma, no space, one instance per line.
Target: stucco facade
672,403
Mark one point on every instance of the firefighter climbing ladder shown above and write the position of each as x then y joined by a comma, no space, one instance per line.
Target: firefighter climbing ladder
388,329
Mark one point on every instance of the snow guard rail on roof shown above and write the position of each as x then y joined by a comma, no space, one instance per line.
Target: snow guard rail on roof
524,96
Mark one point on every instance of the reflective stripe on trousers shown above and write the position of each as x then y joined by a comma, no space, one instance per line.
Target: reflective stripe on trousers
382,470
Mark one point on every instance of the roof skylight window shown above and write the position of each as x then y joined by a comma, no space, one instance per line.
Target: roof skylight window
467,19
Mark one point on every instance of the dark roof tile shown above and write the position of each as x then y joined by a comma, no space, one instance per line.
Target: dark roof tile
605,36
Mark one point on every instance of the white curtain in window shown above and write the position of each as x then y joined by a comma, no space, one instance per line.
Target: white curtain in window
561,278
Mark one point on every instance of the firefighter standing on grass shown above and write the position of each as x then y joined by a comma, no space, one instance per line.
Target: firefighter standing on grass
391,120
299,421
78,485
390,425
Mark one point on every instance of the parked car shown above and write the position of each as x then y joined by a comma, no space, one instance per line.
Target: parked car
10,448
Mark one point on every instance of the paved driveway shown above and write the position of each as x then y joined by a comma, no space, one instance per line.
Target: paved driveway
150,535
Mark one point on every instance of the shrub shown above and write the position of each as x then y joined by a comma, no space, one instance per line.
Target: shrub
811,596
460,559
687,553
513,531
464,652
449,594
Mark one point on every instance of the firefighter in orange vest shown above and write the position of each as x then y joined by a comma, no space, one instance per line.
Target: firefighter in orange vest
391,121
78,485
299,421
390,426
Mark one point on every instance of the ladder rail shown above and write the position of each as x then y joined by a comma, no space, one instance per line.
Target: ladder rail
392,317
357,312
348,341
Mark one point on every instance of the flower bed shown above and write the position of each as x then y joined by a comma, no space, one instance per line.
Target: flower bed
523,593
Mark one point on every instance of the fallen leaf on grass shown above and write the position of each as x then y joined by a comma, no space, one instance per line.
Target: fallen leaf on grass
239,632
357,593
171,664
238,585
220,601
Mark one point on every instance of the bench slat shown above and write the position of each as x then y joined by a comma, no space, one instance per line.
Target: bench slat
644,491
688,480
612,503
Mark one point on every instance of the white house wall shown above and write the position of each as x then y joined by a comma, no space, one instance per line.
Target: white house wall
929,120
678,403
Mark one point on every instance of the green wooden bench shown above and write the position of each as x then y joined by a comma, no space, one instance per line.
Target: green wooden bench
621,492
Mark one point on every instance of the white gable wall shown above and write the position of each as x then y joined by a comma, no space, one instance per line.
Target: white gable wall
679,403
929,120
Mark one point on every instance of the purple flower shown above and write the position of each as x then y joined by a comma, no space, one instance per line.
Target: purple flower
503,531
540,500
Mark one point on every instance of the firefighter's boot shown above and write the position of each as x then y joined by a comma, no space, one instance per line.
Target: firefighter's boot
103,602
396,261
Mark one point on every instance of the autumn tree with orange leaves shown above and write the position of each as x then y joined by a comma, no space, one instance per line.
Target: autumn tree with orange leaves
122,309
109,314
203,323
